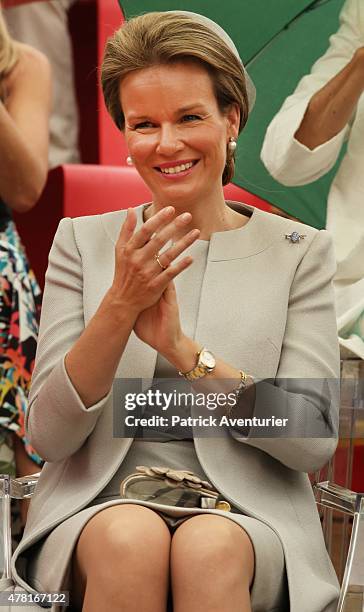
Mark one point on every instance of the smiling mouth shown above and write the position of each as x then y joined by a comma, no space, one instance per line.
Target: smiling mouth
178,168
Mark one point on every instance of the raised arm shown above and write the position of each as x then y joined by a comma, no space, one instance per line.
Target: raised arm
75,365
24,129
304,139
331,108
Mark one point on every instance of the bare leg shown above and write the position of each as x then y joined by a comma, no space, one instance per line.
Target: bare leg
122,561
24,465
212,566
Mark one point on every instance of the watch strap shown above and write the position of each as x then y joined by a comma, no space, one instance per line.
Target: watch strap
199,371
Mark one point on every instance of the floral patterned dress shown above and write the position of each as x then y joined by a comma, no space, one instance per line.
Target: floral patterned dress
20,300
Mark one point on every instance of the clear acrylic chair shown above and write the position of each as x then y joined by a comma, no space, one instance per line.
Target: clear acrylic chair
11,488
328,495
335,497
341,509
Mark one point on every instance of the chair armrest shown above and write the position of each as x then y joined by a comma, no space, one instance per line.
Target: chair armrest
18,488
339,498
335,497
12,488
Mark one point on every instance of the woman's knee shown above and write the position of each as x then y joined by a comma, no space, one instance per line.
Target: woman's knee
121,547
121,533
214,543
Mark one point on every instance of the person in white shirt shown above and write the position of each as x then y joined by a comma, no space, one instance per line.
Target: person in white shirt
303,142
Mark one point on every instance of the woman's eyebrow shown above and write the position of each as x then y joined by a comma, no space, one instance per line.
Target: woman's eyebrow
137,117
183,109
190,107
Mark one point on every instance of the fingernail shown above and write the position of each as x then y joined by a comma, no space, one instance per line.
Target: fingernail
168,210
186,217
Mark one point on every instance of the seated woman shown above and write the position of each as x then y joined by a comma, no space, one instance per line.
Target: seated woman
187,283
25,91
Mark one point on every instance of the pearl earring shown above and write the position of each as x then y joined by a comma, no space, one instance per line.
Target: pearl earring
232,145
129,161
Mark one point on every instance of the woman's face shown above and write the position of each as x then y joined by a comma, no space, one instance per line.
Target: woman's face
175,132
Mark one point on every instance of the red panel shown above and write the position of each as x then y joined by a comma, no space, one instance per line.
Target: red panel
83,30
91,190
342,458
112,147
38,226
73,191
233,192
91,22
358,467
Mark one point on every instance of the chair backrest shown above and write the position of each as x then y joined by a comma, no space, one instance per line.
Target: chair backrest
91,22
77,190
112,147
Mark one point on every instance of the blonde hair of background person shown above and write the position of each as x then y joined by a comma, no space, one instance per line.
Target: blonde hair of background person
25,85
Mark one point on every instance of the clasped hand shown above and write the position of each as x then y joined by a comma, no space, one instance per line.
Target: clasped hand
146,287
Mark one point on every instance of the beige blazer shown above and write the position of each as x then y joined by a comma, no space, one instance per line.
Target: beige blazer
267,307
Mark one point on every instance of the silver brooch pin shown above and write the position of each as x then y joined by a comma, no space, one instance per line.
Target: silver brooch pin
295,237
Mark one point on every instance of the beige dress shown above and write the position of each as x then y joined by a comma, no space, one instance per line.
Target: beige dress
269,591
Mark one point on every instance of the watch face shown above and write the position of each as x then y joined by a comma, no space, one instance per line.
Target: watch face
207,359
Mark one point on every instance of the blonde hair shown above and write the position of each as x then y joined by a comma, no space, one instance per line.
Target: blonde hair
164,38
8,54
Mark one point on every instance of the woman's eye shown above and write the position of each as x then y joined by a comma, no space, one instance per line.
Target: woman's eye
142,125
191,117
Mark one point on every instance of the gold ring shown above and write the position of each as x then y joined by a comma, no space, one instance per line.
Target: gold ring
156,257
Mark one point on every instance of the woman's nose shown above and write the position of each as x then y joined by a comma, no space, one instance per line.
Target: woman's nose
169,141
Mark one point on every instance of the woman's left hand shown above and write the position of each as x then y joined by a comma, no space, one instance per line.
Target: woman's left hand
159,325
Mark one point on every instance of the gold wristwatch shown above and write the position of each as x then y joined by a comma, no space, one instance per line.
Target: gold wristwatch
206,364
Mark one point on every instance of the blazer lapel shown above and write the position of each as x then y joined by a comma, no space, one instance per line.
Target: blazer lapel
233,302
230,302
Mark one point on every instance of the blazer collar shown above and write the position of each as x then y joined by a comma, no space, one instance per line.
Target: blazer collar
251,239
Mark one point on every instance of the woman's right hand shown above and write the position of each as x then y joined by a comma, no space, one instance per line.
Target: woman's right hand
139,280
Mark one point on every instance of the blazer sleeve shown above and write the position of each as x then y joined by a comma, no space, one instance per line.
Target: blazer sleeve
306,388
57,421
289,161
